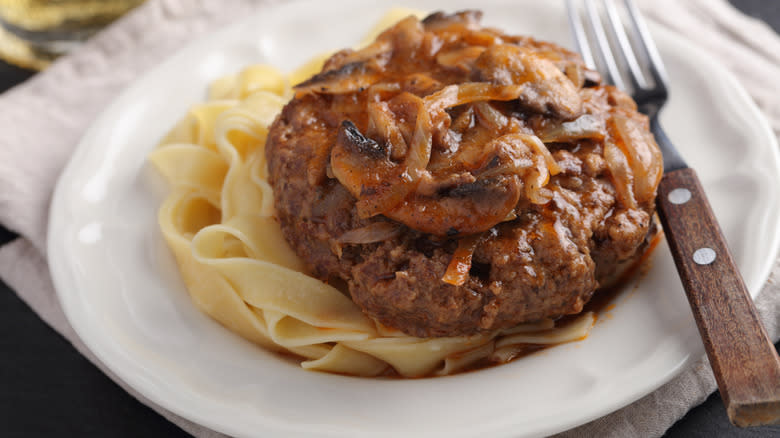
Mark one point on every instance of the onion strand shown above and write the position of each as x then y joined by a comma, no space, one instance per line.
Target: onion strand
371,233
458,270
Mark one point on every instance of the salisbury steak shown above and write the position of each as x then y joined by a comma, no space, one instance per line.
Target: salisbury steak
461,180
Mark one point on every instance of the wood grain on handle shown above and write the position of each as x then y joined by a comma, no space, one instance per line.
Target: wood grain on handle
743,359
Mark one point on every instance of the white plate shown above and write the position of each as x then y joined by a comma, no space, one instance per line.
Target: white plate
120,288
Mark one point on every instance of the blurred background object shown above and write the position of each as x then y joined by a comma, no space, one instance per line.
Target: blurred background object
35,32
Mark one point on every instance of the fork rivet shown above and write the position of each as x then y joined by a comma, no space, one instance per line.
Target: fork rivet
679,196
704,256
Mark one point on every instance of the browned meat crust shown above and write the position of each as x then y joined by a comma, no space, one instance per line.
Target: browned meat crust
543,257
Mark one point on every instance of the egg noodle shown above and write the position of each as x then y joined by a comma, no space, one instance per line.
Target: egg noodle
219,223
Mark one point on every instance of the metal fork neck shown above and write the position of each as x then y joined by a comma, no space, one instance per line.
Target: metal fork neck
672,158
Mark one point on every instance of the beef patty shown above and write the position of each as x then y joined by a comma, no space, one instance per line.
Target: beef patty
461,180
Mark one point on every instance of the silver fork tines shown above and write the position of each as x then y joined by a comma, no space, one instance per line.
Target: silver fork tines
619,46
580,38
638,80
656,65
649,91
602,42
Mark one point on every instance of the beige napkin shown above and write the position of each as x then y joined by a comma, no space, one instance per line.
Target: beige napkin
42,120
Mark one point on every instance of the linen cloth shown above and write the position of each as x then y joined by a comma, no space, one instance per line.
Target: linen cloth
42,120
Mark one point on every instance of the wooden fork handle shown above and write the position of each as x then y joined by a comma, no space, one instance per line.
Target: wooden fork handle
745,362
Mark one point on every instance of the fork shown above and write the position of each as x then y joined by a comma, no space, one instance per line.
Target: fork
743,359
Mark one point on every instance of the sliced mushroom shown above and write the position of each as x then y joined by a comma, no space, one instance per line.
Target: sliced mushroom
349,78
545,89
584,127
439,21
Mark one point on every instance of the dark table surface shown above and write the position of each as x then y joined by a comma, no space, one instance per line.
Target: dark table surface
48,389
